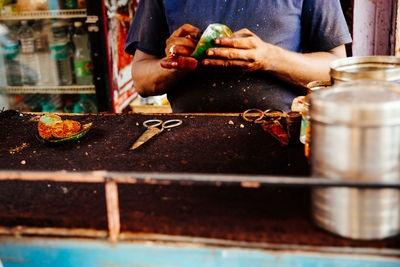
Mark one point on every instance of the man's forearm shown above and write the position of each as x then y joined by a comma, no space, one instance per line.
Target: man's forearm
149,78
300,69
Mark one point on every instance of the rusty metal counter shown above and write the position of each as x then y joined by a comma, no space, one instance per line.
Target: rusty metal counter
215,180
203,144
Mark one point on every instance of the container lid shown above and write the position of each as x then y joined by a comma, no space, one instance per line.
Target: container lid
358,103
316,85
366,67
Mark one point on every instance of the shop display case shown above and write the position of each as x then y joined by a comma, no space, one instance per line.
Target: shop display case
56,57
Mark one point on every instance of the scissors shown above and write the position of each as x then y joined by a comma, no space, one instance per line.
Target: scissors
153,130
270,123
258,116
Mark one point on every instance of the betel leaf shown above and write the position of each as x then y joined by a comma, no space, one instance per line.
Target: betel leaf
82,132
213,31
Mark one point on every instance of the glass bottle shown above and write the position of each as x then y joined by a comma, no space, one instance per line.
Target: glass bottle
28,57
82,59
59,52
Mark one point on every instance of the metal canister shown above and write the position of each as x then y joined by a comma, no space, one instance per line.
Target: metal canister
305,126
385,68
356,135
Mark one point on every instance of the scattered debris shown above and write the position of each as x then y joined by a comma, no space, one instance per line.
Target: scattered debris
64,189
36,118
18,148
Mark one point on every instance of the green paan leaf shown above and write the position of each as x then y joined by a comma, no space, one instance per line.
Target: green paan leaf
213,31
82,132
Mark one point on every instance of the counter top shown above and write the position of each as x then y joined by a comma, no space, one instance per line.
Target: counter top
202,144
205,144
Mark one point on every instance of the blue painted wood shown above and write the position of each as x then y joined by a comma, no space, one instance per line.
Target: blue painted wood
39,252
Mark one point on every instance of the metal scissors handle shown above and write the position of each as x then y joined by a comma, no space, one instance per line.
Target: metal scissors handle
259,115
269,124
153,130
164,125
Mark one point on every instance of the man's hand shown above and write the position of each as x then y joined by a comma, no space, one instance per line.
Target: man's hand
247,52
244,50
180,46
154,76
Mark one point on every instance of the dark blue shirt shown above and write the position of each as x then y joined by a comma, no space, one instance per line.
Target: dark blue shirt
296,25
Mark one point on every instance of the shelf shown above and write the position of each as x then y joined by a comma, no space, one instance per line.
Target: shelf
73,89
151,109
44,14
137,107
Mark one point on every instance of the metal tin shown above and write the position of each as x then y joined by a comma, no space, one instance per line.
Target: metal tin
356,135
293,125
317,85
365,67
305,127
358,103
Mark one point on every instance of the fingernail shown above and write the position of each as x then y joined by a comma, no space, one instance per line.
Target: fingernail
216,41
210,53
205,62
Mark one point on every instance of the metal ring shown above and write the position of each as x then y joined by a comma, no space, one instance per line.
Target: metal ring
171,123
274,110
152,123
171,50
253,110
282,113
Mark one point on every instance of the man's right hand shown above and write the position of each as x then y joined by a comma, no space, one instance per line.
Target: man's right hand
180,46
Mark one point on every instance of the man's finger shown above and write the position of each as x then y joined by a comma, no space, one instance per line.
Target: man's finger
181,41
187,63
176,50
230,53
228,63
235,42
242,41
169,62
179,63
195,35
185,30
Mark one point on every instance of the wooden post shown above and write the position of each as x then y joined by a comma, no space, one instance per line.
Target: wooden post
373,27
112,203
397,30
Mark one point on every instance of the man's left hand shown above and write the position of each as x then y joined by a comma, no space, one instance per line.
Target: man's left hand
244,50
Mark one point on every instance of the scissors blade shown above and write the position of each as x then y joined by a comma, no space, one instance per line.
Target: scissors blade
147,135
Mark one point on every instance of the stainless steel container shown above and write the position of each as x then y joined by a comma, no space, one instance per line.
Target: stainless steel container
356,135
365,67
317,85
